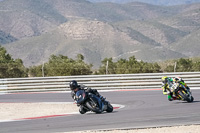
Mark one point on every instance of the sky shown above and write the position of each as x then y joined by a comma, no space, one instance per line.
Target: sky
154,2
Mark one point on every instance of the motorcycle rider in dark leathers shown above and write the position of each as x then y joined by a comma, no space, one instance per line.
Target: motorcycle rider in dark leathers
75,87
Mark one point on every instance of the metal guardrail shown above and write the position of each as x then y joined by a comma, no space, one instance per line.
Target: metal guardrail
99,82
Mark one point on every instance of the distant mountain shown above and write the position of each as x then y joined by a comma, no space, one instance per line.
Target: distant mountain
32,30
154,2
189,45
94,39
27,18
6,38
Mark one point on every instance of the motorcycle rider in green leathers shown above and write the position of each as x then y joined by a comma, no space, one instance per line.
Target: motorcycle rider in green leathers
167,84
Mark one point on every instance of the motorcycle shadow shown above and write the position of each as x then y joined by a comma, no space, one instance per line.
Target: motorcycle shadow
103,113
179,102
196,101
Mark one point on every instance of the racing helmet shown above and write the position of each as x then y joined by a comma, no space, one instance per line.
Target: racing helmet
73,85
177,79
165,79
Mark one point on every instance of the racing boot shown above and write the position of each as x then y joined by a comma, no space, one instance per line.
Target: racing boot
97,94
102,98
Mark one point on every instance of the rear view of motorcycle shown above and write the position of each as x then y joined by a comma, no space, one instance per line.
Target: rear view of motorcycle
90,102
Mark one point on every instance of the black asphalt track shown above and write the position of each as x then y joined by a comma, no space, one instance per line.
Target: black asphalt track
142,109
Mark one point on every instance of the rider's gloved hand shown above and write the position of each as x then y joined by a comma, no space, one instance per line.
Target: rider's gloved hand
165,92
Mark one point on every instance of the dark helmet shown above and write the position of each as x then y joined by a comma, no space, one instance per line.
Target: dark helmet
73,84
177,79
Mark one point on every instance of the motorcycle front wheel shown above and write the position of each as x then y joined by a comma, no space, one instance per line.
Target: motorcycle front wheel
185,97
192,98
109,108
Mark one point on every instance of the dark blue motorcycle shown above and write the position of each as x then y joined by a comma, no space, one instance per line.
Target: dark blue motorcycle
90,102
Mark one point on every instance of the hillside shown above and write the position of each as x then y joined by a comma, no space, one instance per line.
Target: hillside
94,39
189,45
32,30
27,18
6,38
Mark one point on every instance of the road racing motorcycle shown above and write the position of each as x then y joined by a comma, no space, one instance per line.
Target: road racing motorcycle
90,102
182,93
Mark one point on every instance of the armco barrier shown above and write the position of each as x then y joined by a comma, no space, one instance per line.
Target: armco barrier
100,82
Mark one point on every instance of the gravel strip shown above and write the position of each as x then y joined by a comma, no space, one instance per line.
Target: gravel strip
11,111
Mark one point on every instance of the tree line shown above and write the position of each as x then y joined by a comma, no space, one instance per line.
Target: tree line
63,66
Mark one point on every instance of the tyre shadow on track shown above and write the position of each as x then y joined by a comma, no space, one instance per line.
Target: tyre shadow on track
195,102
103,113
181,102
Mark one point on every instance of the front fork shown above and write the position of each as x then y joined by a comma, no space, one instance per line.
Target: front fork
185,92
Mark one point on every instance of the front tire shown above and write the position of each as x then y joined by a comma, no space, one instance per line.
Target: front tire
192,98
109,108
186,98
